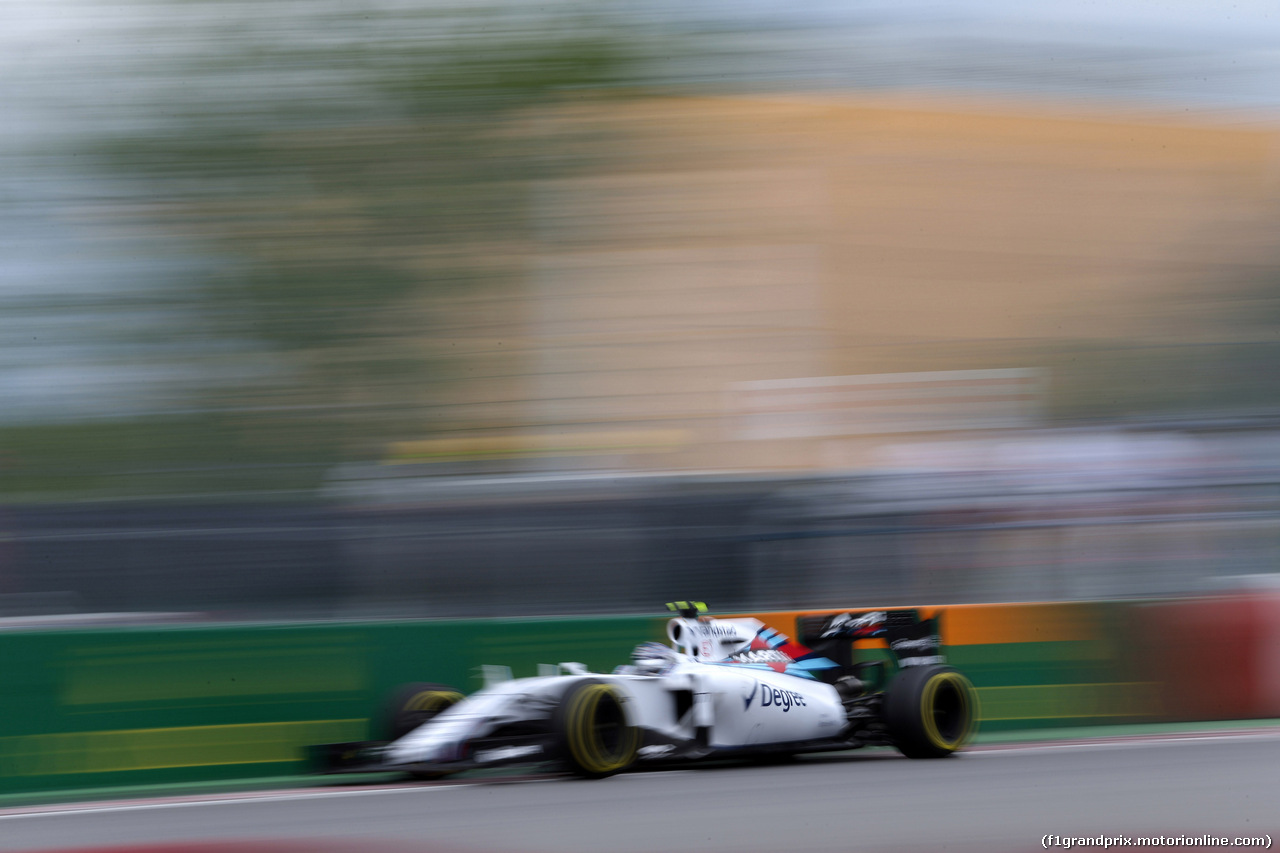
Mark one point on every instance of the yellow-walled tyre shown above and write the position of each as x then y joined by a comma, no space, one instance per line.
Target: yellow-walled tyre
594,734
411,705
930,711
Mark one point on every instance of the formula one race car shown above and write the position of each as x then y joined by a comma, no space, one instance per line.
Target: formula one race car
724,687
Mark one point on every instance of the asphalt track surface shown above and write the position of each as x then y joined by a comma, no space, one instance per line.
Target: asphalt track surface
1003,798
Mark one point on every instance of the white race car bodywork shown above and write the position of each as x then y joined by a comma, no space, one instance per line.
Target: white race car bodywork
723,687
737,708
712,692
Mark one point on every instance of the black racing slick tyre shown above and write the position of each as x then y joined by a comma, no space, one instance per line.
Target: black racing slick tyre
594,734
411,705
930,711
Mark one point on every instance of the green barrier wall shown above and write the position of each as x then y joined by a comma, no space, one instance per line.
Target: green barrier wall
1086,675
139,706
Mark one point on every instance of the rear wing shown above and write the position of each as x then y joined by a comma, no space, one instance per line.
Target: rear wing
912,641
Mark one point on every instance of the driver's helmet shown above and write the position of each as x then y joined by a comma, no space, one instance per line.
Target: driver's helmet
653,659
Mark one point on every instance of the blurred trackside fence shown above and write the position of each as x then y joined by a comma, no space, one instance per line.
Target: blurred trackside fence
418,547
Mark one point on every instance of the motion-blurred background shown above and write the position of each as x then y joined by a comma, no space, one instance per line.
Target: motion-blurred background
389,308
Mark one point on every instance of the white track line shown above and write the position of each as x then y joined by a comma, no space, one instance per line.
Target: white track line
215,800
1126,743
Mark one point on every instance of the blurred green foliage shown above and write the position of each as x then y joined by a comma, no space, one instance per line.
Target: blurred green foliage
328,178
206,455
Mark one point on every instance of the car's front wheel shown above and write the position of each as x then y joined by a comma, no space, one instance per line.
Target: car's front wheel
410,706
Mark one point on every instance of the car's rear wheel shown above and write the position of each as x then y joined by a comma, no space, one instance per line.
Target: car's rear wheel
594,734
930,711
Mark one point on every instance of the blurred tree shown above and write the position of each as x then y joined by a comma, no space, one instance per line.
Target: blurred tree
336,170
